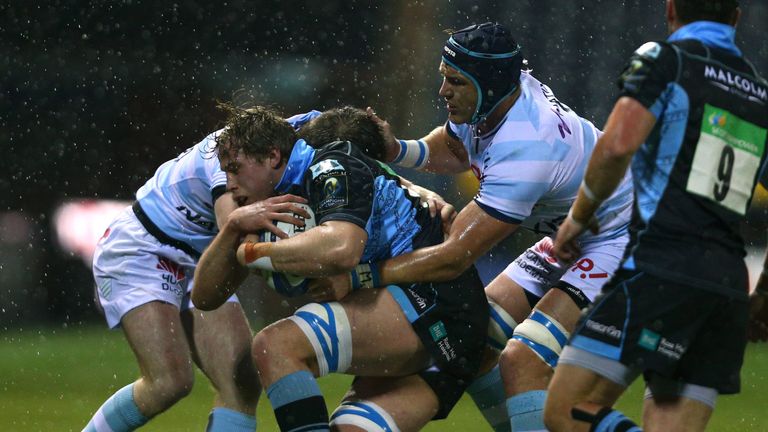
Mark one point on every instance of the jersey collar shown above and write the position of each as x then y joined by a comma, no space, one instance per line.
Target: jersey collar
709,33
298,163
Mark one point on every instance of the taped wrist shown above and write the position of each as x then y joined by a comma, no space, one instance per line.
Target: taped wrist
255,256
365,276
412,154
590,194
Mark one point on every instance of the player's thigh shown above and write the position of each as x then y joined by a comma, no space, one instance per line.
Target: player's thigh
383,339
407,401
363,334
157,337
221,342
560,307
510,295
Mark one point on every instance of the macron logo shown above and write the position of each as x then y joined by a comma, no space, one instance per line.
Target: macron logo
731,81
450,52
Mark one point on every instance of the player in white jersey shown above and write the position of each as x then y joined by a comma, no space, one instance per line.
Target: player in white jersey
529,152
144,266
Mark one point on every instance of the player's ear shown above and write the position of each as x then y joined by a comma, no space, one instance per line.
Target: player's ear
275,158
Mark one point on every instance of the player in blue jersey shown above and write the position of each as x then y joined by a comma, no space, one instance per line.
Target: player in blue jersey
529,152
144,267
691,119
431,334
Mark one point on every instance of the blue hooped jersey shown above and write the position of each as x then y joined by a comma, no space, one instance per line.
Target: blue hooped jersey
341,183
531,165
179,199
695,174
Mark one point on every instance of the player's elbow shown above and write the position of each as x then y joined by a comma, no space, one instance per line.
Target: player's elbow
203,302
340,259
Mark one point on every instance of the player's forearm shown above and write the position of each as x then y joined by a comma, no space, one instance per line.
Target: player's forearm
218,274
319,252
435,153
431,264
604,173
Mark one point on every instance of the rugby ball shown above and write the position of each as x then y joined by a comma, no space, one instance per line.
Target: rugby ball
285,284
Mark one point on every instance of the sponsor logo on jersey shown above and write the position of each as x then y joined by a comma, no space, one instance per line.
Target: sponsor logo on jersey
649,340
535,265
438,331
195,218
173,275
671,349
649,50
330,177
735,83
449,51
325,166
606,330
446,349
558,108
171,267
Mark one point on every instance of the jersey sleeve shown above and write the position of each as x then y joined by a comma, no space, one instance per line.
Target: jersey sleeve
649,72
341,188
515,177
299,120
206,152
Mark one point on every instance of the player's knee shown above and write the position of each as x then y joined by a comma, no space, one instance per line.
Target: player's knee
172,385
267,345
326,328
543,335
363,415
501,326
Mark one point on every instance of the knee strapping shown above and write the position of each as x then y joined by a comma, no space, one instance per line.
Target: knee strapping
328,330
501,326
365,415
544,335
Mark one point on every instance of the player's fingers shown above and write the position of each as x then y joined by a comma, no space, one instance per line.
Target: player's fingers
448,212
284,217
294,208
287,198
432,205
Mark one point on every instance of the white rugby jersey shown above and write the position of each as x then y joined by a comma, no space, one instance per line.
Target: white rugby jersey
179,198
531,165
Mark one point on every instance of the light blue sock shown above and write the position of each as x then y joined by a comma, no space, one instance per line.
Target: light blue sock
526,411
227,420
119,413
609,420
488,393
298,403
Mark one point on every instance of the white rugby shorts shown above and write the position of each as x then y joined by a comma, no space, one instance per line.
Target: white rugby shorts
131,268
537,269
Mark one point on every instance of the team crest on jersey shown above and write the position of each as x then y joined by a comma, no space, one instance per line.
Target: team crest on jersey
326,166
331,181
650,50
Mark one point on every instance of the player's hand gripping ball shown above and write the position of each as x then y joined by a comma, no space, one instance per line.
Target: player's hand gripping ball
250,254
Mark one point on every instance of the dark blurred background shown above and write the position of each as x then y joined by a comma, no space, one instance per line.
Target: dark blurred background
96,94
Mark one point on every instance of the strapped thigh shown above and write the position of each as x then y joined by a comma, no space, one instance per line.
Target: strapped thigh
328,330
364,414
